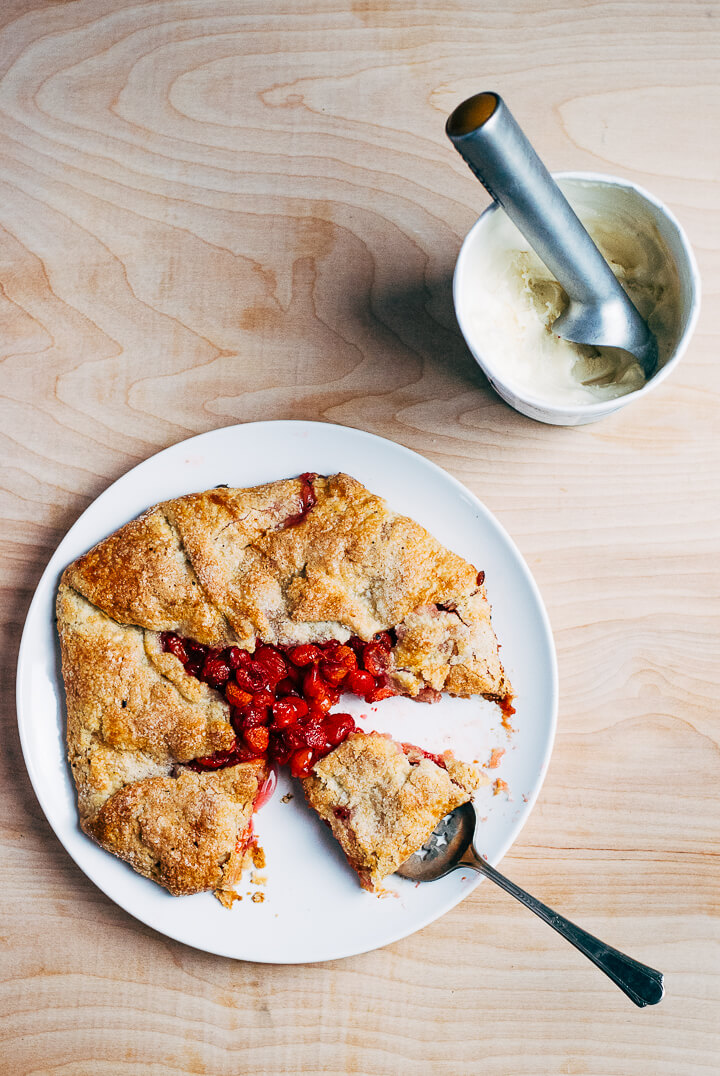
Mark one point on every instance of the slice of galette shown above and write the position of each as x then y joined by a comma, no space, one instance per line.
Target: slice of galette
214,635
383,799
190,831
132,734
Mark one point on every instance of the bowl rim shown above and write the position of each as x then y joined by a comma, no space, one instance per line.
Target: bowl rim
598,407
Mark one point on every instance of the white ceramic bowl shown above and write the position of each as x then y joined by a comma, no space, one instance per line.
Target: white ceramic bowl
608,189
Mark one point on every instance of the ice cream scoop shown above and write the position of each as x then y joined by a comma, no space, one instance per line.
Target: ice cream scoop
599,311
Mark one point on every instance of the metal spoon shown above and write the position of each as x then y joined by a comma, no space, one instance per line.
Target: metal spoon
487,136
451,848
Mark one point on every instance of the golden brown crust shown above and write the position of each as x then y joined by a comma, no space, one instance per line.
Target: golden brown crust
141,575
452,648
224,567
350,567
125,719
128,727
382,800
220,530
181,831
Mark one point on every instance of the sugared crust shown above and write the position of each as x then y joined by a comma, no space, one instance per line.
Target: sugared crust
128,727
350,567
223,567
141,575
382,801
125,719
220,531
452,648
181,831
354,562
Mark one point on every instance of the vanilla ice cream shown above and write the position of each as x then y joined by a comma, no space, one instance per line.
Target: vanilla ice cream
510,301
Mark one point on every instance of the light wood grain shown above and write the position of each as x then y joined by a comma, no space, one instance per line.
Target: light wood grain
212,212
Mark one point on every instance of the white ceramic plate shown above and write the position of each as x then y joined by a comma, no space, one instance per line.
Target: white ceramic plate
313,908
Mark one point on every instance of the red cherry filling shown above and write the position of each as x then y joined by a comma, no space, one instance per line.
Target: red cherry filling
280,697
416,753
308,499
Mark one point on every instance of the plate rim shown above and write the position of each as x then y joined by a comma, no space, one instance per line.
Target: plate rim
297,425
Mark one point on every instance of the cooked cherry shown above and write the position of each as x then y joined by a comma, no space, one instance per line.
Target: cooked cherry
314,735
263,698
214,762
382,638
308,499
293,737
313,684
287,711
248,754
236,696
305,654
233,656
346,656
173,644
323,703
338,727
359,682
333,671
215,672
382,691
272,662
411,749
196,651
301,763
375,659
295,675
253,717
257,739
251,678
280,752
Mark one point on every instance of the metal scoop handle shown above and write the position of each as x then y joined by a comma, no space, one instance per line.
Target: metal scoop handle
486,135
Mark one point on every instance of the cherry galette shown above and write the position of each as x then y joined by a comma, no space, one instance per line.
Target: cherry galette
212,639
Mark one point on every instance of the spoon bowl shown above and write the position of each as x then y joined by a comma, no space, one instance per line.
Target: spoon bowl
451,847
444,849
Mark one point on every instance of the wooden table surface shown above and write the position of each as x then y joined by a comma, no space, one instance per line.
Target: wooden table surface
215,211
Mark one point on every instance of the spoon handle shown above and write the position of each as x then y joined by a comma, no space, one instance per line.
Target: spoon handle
642,984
